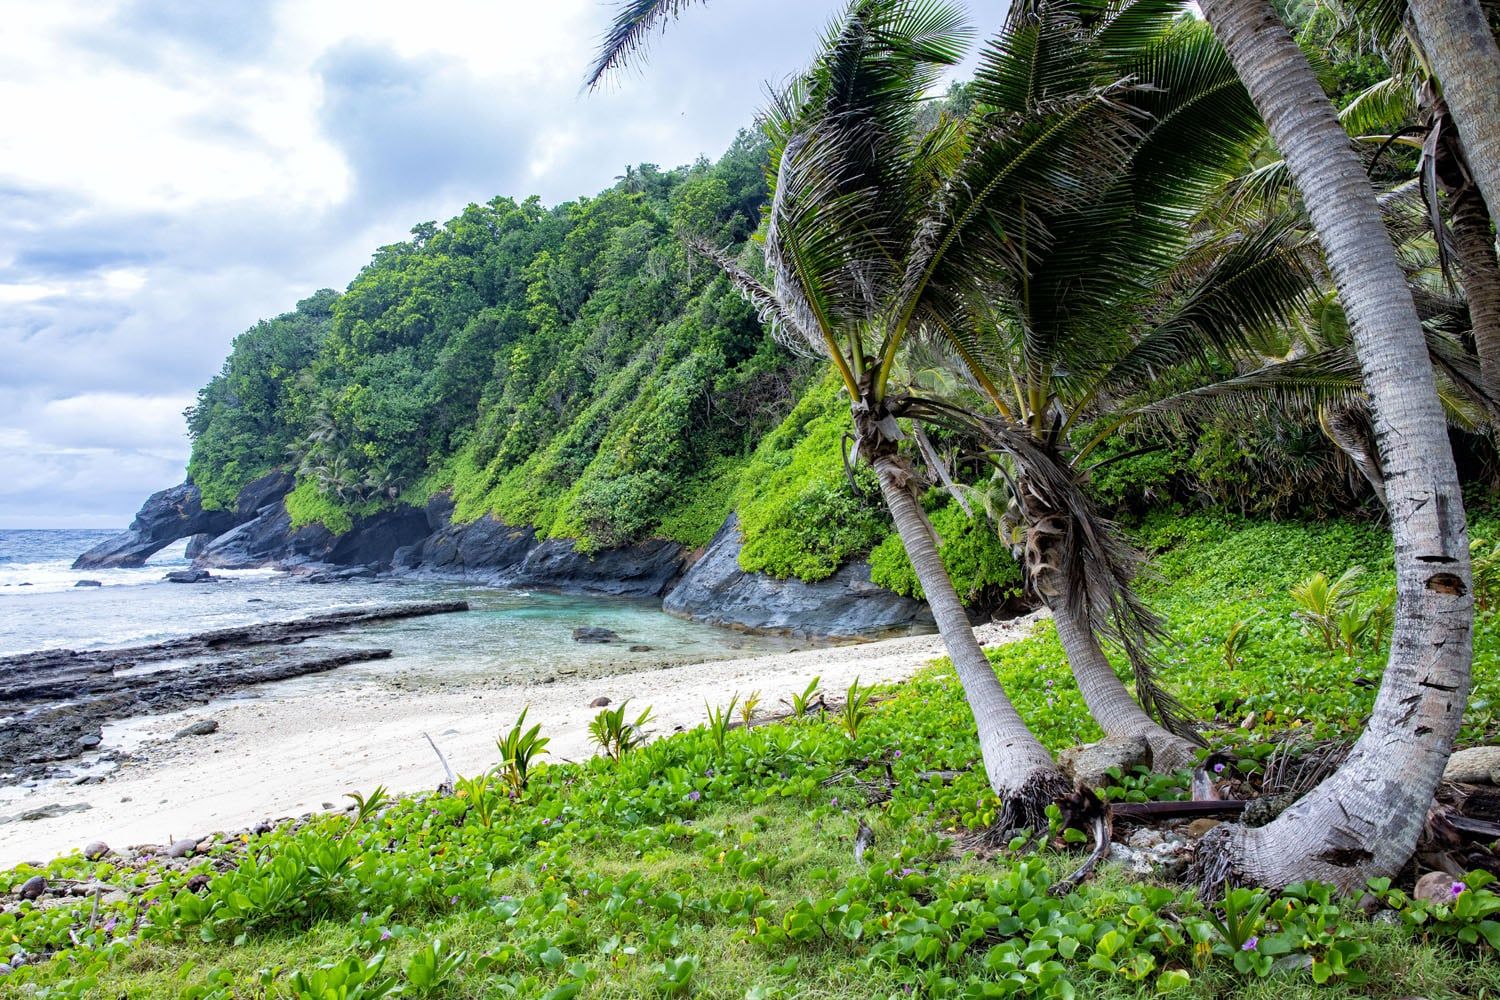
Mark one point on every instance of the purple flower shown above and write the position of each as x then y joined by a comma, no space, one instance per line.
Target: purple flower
907,871
1049,682
1218,769
385,935
546,821
1456,889
109,924
834,801
452,900
897,755
1250,944
695,795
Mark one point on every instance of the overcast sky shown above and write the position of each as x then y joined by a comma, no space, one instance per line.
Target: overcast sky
173,170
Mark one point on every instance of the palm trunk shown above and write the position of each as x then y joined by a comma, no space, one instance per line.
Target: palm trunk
1364,820
1118,714
1019,768
1476,258
1462,51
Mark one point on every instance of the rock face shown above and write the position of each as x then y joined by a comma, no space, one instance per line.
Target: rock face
847,604
270,540
490,551
178,513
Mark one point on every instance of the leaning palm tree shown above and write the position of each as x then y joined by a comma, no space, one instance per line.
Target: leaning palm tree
854,180
628,34
1364,820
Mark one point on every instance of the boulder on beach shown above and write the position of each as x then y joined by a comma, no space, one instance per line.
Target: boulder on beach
200,728
599,702
183,847
95,849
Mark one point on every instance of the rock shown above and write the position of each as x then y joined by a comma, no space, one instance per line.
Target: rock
1088,765
190,576
639,648
1144,839
1198,827
50,811
1474,766
599,702
164,518
95,849
182,848
592,633
32,888
1434,887
89,741
88,583
200,728
717,591
269,539
198,882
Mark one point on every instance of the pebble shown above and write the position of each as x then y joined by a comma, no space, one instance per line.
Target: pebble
95,849
599,702
1198,827
182,848
1435,887
33,888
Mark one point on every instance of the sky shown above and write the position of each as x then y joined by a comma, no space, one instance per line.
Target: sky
172,171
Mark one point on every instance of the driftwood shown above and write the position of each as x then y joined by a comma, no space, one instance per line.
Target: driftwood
452,780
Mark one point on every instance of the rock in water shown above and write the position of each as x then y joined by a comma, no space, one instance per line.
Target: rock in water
592,633
639,648
88,583
33,888
182,848
200,728
95,849
190,576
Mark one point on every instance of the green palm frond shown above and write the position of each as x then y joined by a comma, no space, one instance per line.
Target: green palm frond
628,34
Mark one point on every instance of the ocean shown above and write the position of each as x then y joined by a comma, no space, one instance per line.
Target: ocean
509,633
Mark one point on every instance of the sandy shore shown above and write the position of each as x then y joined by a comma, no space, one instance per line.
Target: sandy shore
289,750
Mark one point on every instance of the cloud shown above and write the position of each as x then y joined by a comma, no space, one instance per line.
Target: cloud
171,171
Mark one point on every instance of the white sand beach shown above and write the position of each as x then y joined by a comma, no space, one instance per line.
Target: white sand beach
293,749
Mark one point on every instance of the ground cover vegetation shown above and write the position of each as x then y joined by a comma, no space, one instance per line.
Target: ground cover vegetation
721,861
1084,286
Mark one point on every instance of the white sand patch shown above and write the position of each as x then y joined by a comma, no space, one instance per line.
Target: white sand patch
293,749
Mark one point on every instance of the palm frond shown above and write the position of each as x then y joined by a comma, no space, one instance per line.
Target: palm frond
628,34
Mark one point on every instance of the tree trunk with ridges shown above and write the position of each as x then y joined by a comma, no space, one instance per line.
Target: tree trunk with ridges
1461,49
1110,704
1364,820
1481,274
1019,768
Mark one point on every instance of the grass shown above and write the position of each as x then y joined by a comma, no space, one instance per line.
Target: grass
686,869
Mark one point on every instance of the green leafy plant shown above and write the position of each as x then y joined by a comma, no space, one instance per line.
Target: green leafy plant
1353,623
433,965
1381,616
612,733
1237,640
518,752
1319,603
350,979
748,707
856,709
718,721
1485,559
478,792
1241,918
365,807
1469,915
802,702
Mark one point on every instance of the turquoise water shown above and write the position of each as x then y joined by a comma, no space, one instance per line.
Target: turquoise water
509,634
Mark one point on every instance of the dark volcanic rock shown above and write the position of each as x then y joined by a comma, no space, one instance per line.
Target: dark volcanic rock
493,552
190,576
592,633
33,888
270,540
715,590
88,583
178,513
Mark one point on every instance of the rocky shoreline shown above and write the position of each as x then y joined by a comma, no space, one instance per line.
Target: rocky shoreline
56,702
704,585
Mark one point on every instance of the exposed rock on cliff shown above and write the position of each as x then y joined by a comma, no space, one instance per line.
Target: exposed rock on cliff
178,513
847,604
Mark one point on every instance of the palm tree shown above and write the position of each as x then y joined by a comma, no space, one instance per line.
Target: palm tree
1459,41
853,180
1364,820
